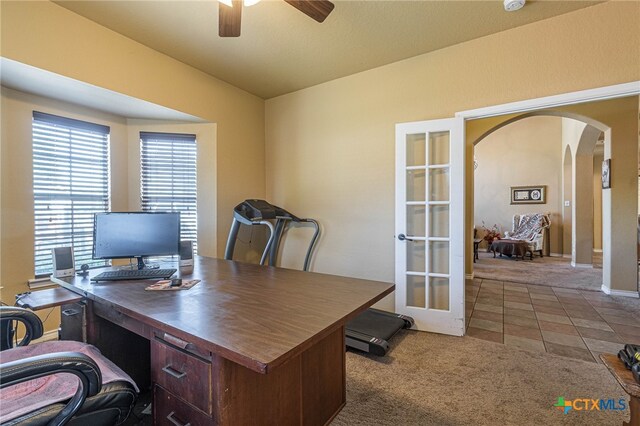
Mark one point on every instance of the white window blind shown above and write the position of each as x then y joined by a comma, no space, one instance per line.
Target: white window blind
168,178
70,184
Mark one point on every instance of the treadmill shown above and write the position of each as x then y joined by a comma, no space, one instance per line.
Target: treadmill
259,212
370,331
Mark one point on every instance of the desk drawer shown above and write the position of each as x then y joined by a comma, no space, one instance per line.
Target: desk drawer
170,410
182,374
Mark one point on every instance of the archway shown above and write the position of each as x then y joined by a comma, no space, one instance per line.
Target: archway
617,269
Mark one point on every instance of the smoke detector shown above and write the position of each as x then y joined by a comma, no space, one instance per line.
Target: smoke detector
513,5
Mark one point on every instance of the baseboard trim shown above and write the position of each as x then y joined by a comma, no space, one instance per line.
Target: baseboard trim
556,255
621,293
47,336
597,250
469,276
581,265
566,256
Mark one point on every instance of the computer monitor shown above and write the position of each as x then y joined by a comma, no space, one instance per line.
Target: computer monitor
136,234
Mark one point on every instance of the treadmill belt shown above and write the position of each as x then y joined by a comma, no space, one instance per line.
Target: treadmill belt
380,325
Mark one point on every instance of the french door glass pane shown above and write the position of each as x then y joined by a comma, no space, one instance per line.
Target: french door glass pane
416,149
415,256
416,221
439,293
416,291
416,185
439,257
438,148
439,184
439,221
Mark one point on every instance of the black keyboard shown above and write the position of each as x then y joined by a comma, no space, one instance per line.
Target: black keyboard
142,274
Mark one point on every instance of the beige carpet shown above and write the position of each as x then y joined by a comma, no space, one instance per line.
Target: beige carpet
549,271
431,379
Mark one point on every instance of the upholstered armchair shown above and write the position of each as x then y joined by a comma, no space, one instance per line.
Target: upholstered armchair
94,391
532,229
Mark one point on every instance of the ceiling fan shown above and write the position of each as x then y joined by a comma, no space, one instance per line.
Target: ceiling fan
230,13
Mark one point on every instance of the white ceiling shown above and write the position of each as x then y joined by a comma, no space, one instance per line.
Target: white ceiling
282,50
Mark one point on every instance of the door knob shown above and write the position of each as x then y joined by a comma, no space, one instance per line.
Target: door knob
403,237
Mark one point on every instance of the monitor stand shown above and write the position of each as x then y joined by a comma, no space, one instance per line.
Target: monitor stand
141,264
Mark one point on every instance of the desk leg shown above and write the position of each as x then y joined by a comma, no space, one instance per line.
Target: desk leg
634,407
309,389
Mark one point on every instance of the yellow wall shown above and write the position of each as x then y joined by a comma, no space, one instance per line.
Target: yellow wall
52,38
330,148
524,153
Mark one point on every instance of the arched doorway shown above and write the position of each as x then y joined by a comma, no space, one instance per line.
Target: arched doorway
605,118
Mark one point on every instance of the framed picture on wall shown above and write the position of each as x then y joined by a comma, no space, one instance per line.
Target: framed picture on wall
606,174
529,194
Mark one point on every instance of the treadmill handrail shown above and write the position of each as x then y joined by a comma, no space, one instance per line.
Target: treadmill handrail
256,212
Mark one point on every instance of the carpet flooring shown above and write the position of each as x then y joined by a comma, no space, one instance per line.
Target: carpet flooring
432,379
549,271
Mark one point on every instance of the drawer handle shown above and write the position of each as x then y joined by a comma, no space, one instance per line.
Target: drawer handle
175,421
175,341
173,372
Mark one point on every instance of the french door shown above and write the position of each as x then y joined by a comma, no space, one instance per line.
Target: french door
430,224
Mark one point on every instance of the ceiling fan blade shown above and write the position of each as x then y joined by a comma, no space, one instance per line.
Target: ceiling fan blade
316,9
229,19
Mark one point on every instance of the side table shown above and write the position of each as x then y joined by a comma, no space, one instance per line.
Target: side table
628,383
510,248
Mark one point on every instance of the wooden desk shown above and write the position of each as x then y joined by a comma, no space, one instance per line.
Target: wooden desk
248,345
628,383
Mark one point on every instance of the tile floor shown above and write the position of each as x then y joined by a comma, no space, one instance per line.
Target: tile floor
572,323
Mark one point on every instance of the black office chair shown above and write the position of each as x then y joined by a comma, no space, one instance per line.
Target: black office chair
32,391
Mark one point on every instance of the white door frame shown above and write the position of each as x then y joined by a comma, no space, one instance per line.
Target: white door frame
570,98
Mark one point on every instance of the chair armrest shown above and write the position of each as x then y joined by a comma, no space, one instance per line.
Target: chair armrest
32,324
76,363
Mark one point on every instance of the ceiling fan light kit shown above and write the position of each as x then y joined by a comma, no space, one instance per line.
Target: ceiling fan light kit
513,5
246,2
230,13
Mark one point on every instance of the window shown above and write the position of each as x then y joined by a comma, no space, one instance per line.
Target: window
70,184
168,178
